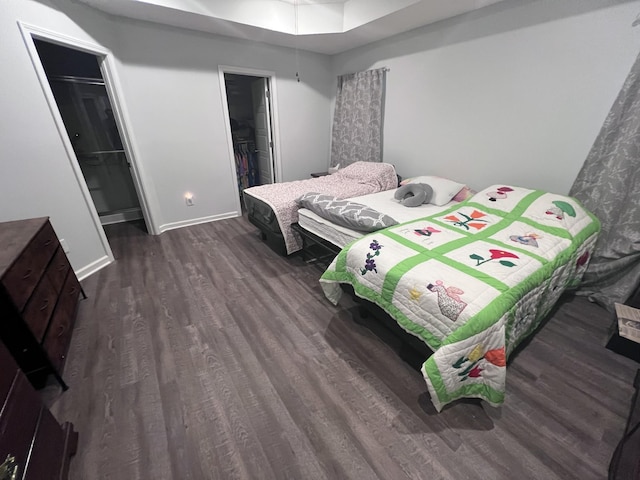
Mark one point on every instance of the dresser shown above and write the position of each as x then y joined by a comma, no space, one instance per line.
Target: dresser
38,298
33,445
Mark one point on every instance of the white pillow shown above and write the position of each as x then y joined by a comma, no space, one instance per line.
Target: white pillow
443,189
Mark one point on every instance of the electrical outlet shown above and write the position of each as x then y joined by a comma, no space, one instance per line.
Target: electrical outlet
65,247
188,199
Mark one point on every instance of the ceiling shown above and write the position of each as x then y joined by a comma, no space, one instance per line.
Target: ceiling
322,26
312,2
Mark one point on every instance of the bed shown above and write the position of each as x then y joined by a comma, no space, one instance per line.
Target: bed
471,281
273,208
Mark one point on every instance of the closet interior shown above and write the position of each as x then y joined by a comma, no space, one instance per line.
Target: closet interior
250,117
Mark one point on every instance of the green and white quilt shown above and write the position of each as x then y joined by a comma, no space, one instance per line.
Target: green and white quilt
473,281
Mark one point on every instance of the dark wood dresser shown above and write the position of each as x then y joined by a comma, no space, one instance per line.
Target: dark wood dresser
33,445
38,298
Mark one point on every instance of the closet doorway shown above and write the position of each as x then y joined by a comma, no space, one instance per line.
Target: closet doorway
251,122
80,93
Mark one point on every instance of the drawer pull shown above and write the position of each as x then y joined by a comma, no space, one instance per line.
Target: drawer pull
25,276
9,468
47,243
44,306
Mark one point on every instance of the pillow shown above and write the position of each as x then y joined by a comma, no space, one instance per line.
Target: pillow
464,194
346,213
413,194
364,171
443,189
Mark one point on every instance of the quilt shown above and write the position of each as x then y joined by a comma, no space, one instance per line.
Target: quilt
471,281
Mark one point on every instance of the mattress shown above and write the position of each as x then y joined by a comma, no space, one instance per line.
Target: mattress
381,201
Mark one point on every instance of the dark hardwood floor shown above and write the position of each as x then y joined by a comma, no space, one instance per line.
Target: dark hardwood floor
201,354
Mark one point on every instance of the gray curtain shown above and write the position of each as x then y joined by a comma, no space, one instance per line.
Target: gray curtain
357,121
609,185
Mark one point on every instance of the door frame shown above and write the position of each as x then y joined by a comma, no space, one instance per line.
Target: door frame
275,129
112,85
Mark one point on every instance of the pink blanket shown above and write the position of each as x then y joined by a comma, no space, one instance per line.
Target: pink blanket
359,178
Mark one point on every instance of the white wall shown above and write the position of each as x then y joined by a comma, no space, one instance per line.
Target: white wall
171,92
174,99
514,93
36,178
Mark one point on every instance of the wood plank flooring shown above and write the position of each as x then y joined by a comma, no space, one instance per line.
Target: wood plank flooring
201,354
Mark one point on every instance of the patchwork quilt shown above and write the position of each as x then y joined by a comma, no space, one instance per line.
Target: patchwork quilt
472,281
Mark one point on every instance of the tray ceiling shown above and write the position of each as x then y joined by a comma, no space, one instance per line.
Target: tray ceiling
323,26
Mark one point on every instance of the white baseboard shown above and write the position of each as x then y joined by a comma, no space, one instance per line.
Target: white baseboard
102,262
93,267
123,216
197,221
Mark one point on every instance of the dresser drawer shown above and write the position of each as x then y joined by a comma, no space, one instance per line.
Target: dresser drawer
40,307
45,460
22,277
40,447
58,336
18,422
57,269
8,369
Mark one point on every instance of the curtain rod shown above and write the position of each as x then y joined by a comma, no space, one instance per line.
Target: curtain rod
386,69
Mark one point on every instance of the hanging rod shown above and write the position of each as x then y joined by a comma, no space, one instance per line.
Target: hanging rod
74,79
101,152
